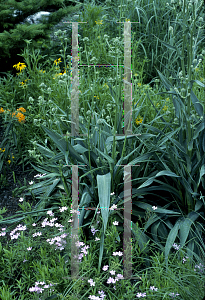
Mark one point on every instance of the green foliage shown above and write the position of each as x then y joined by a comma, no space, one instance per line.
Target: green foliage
165,152
13,34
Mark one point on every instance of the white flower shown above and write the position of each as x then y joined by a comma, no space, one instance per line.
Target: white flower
154,207
113,207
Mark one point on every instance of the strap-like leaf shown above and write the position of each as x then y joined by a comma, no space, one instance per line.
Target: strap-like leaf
104,186
170,240
185,227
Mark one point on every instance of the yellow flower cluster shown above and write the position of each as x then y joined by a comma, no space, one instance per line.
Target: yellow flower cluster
3,150
19,115
23,83
138,120
57,61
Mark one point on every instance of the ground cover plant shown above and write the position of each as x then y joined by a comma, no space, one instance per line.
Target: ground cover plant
167,186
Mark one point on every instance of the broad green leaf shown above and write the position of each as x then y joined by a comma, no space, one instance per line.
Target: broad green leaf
150,180
154,229
57,139
162,231
122,138
84,202
179,146
185,227
104,186
171,238
198,129
142,158
198,205
202,171
158,210
63,145
197,105
165,81
14,219
150,221
51,188
162,187
198,82
45,151
190,145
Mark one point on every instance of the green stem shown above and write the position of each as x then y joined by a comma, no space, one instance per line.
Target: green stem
14,177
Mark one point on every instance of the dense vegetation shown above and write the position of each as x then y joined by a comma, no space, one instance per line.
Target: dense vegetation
166,154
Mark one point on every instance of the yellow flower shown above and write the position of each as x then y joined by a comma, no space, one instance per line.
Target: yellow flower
139,84
98,22
2,149
19,66
167,99
127,20
20,116
106,85
139,120
165,108
21,109
9,161
57,61
1,110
